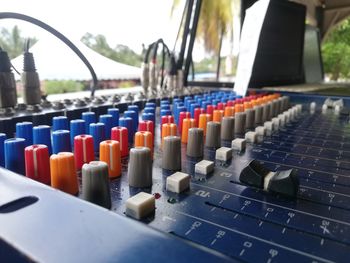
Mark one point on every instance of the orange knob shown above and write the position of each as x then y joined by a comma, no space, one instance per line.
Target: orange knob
247,105
203,120
186,125
217,115
110,154
63,173
168,129
144,139
239,108
229,111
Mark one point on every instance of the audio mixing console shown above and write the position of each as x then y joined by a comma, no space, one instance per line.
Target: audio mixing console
208,177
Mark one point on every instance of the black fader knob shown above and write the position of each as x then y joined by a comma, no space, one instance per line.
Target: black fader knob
254,174
284,183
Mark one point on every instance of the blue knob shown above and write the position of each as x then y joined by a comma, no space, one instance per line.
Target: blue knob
88,117
134,108
98,132
77,127
150,104
60,123
135,119
42,135
107,120
127,123
149,117
194,106
25,130
115,114
61,141
205,104
2,153
165,112
14,155
165,107
177,113
149,110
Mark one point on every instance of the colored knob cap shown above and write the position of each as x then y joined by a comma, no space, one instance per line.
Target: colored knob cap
134,108
120,134
25,130
61,141
168,129
110,154
220,106
197,113
213,140
83,150
203,120
165,107
227,128
146,126
149,110
165,112
186,125
193,107
140,167
149,117
217,115
182,116
229,111
195,145
89,117
77,127
14,155
37,162
63,173
107,120
95,184
98,132
171,159
135,119
150,104
2,151
167,119
127,123
42,135
210,109
144,139
115,115
60,123
239,108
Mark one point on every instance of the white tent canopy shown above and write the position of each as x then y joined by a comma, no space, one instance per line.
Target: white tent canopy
54,60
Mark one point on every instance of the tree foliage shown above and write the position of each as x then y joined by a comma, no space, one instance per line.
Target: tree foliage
120,53
12,42
336,52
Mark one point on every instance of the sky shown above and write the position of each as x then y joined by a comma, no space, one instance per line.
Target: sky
128,22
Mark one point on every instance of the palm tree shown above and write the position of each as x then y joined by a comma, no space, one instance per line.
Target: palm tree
215,22
12,42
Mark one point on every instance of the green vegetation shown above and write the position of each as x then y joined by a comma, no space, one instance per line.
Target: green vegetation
62,86
12,42
336,52
120,53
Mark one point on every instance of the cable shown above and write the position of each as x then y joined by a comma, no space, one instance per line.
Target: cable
60,36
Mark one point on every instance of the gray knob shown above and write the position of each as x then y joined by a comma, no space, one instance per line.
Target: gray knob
285,103
250,119
195,143
266,112
212,138
140,167
240,123
274,108
258,115
95,183
171,153
227,128
279,105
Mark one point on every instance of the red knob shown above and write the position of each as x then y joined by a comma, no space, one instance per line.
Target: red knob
38,163
83,150
120,134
